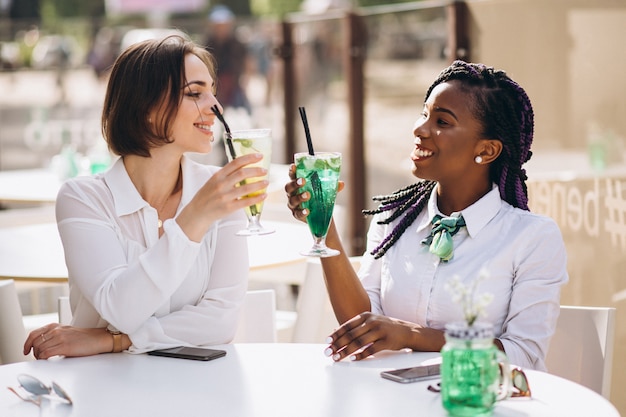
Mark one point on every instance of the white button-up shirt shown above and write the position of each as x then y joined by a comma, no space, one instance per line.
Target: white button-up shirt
162,292
522,252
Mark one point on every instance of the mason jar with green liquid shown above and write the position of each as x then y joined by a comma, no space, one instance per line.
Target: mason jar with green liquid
474,373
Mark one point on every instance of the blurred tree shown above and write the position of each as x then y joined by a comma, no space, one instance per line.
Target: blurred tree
75,8
281,7
365,3
274,7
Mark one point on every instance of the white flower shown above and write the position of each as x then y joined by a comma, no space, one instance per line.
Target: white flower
472,304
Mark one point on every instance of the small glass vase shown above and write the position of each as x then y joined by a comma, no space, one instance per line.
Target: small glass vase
471,376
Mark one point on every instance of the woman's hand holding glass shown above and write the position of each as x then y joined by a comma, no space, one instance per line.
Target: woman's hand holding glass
223,194
295,195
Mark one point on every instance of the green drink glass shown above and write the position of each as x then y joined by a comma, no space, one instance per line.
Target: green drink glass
474,373
321,172
243,142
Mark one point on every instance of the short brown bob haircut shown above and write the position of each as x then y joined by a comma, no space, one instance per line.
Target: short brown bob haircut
148,76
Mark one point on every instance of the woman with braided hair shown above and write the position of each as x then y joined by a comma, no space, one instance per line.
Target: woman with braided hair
468,213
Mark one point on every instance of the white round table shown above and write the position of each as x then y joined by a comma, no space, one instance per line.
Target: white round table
35,252
273,380
29,186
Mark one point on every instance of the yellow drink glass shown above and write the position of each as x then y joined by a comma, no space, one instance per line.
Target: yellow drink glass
243,142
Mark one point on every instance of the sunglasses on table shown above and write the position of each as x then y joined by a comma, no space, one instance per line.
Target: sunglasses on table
519,381
36,389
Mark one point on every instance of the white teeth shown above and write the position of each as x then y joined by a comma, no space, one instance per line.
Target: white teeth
423,153
206,127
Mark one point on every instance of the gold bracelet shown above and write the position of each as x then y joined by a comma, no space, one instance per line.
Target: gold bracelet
117,339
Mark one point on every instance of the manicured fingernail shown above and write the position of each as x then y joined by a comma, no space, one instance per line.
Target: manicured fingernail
336,357
299,181
305,212
329,340
328,352
352,357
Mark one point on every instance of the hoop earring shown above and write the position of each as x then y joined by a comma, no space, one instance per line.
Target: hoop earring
478,159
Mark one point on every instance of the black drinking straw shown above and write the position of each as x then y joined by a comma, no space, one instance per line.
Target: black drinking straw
229,142
307,132
316,184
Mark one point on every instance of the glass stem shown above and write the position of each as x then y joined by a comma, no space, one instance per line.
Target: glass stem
254,225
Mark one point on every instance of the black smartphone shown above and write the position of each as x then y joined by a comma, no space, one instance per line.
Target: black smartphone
193,353
413,374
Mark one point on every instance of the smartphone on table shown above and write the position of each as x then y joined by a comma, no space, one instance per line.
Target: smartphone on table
413,374
193,353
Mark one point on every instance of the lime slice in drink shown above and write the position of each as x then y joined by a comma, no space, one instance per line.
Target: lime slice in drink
320,164
334,163
245,143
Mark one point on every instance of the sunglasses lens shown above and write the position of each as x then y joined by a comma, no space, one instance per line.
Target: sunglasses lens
33,385
61,392
521,383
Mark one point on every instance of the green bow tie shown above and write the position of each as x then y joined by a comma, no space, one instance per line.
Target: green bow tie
440,239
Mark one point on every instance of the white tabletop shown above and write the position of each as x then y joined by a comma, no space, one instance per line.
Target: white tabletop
35,252
29,186
267,380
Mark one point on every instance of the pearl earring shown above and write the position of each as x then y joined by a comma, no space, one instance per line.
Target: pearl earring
478,159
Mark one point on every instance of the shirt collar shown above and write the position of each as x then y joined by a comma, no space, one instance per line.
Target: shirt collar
476,216
481,212
126,197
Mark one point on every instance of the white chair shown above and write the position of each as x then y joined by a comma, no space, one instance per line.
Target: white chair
35,321
315,318
12,332
65,310
581,349
257,319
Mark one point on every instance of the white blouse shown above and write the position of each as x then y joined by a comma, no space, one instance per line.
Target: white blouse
523,253
162,292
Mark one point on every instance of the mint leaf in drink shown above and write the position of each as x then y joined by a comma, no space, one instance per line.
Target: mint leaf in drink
308,163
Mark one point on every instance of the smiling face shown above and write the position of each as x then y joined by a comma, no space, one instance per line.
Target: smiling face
191,129
447,136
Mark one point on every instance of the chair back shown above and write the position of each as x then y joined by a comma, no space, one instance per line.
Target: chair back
65,310
581,349
257,320
315,318
12,332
